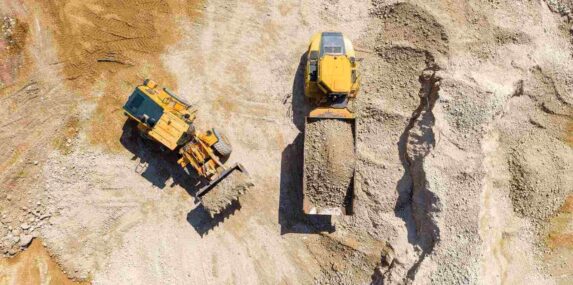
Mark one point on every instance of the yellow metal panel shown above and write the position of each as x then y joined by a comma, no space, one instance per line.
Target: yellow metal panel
168,130
208,138
335,72
315,42
348,47
324,112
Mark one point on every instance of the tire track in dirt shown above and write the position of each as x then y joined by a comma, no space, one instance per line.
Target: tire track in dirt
107,47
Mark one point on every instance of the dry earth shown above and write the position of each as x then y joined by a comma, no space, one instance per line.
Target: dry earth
464,139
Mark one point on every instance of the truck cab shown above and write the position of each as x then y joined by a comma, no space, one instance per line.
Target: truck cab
331,75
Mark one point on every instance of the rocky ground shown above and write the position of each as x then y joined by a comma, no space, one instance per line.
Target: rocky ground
463,154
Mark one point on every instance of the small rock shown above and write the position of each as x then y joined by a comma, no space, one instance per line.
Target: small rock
36,162
25,226
25,240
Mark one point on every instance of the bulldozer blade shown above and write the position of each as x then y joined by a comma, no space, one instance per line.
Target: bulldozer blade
225,189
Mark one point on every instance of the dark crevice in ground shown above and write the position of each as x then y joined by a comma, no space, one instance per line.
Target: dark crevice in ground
417,141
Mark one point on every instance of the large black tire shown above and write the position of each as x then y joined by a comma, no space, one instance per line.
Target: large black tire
222,146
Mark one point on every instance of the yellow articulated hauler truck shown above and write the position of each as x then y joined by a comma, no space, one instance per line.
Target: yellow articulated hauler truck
332,82
166,119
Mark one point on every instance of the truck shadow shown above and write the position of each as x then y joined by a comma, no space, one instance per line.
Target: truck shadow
291,215
158,167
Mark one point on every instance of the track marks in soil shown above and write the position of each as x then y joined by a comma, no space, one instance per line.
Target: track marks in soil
117,40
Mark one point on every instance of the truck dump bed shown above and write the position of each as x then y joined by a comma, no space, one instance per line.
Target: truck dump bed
329,166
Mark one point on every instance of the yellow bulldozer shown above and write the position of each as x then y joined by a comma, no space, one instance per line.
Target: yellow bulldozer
332,82
164,118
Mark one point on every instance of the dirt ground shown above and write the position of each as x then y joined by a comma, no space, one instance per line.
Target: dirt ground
463,155
33,266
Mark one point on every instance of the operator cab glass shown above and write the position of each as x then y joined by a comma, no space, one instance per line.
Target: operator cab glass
332,44
143,108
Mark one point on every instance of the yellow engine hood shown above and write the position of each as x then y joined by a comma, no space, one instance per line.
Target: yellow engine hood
335,72
169,130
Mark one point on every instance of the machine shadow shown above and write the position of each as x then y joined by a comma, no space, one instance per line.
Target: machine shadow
158,167
291,215
203,222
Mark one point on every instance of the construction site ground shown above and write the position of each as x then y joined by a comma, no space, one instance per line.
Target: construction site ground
463,143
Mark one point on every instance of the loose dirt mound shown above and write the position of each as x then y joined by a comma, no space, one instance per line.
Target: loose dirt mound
227,190
406,22
539,177
329,162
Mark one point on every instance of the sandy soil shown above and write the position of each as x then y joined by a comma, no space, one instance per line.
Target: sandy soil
33,266
464,138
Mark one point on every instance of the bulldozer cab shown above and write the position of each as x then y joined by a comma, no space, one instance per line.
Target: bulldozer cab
161,115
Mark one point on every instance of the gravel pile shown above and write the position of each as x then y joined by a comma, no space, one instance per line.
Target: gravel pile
329,162
225,192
